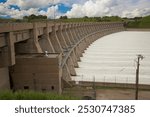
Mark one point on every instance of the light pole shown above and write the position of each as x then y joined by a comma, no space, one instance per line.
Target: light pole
137,75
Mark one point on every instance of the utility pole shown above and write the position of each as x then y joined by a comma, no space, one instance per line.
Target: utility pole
137,75
94,88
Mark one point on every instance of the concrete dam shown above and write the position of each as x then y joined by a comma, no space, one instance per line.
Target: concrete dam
43,56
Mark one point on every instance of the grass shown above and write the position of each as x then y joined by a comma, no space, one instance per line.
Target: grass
31,95
140,23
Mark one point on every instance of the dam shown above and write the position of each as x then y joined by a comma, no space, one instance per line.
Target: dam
49,56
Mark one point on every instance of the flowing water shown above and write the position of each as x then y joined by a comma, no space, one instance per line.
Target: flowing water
113,58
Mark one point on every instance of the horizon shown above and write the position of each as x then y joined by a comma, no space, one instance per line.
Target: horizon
74,9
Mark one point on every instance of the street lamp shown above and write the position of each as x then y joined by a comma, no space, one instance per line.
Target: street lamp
140,57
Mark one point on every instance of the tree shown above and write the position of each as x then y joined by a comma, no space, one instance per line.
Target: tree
86,17
98,19
34,17
63,17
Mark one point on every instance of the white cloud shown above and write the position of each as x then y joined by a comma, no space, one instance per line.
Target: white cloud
123,8
5,10
80,8
52,12
27,4
90,8
136,13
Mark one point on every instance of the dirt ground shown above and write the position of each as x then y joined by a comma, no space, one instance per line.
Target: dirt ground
121,94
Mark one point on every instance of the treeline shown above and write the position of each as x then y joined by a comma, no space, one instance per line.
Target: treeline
91,19
34,18
30,18
137,22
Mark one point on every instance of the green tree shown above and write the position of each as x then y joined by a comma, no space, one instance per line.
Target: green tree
34,17
63,17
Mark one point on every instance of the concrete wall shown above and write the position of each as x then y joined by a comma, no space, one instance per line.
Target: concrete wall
37,72
4,79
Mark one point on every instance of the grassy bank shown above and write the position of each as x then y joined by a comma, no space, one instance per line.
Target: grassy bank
31,95
143,22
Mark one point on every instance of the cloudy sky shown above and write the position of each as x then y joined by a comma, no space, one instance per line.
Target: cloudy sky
74,8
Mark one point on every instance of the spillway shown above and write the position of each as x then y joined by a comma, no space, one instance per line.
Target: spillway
113,59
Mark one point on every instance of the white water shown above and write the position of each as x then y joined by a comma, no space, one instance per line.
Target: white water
113,59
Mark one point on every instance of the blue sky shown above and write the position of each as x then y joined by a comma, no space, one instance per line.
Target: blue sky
62,7
74,8
3,0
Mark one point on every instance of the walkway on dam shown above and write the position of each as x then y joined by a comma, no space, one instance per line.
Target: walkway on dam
112,59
